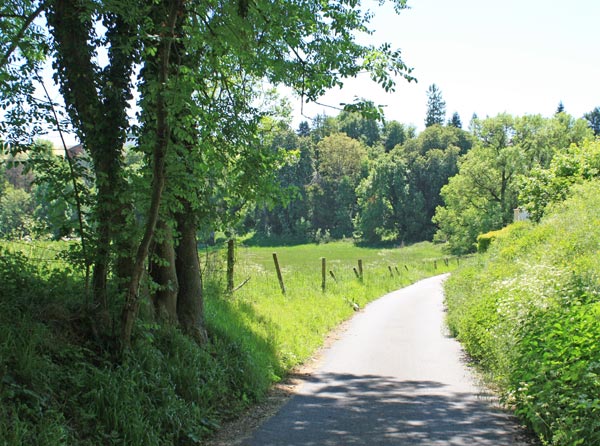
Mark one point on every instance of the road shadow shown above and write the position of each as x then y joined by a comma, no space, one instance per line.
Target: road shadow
343,409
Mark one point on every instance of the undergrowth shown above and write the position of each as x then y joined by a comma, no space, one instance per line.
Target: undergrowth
528,311
58,386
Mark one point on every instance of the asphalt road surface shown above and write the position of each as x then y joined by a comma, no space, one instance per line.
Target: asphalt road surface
395,377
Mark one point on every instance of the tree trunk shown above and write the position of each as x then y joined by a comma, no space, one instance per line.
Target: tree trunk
163,135
97,106
99,278
190,304
163,273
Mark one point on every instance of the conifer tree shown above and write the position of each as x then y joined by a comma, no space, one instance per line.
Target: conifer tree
455,121
436,107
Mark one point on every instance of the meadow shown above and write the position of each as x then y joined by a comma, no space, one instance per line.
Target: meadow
293,325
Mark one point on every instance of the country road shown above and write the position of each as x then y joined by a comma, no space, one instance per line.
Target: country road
393,378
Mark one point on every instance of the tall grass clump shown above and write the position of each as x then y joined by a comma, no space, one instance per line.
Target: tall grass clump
59,386
528,311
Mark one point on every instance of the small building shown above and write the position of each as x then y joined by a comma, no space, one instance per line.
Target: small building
520,214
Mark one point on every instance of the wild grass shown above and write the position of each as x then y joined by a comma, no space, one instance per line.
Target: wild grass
528,311
58,386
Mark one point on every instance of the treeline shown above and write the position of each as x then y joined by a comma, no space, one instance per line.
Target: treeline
347,176
355,177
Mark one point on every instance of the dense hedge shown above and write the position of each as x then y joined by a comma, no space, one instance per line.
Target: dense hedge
529,312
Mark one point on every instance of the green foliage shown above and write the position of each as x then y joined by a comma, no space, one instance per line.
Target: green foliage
483,195
395,133
485,240
593,119
527,311
58,386
360,128
386,202
455,121
23,49
332,196
16,213
543,187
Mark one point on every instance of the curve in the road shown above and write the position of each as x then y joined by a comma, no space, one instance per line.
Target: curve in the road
394,378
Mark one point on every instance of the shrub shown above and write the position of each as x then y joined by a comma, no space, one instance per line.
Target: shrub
527,310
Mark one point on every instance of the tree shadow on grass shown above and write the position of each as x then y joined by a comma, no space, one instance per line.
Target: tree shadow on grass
344,409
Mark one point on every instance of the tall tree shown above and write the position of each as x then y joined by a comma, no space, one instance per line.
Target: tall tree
432,158
332,197
455,121
388,207
436,107
97,102
359,127
560,108
593,119
395,133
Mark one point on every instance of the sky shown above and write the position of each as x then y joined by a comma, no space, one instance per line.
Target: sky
487,57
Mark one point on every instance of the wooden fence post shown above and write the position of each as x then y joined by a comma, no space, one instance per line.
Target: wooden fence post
323,273
391,272
333,276
230,264
279,277
360,270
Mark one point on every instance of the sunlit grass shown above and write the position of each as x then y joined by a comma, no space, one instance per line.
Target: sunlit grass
292,326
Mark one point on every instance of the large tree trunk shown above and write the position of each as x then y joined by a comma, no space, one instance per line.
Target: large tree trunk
190,304
163,273
98,109
163,135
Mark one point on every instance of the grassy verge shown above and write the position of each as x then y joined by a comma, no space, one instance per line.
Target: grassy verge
58,387
528,311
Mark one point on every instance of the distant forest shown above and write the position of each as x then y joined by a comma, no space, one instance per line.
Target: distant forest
350,176
382,182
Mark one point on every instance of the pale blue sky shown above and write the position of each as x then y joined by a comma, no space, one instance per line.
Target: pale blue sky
487,57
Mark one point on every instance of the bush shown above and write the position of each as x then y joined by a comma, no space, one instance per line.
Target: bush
484,240
527,311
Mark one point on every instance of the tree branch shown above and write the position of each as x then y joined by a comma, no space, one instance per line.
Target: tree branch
15,41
